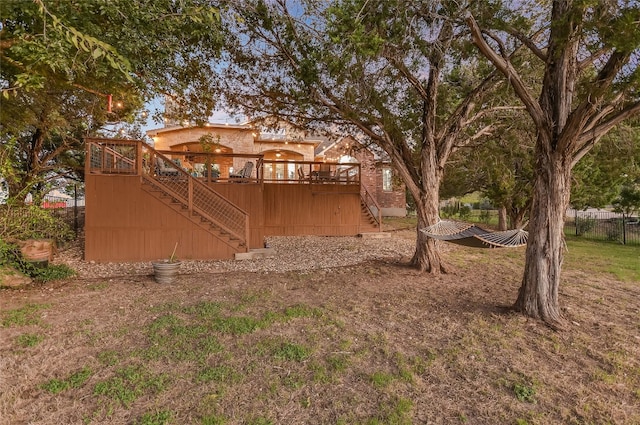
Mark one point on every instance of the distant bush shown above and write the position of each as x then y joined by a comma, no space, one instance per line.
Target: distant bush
614,230
464,212
485,216
449,210
485,204
585,224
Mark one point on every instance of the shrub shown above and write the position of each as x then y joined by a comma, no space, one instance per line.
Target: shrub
585,224
449,210
10,256
614,230
32,222
49,273
485,216
464,212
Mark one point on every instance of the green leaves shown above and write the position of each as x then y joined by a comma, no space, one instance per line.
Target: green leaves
87,43
59,60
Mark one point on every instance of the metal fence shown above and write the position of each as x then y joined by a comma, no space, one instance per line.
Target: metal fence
590,224
603,225
69,209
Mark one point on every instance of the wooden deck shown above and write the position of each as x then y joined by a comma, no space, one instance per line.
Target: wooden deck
134,214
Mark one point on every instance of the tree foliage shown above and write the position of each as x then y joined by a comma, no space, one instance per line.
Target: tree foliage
501,168
591,83
59,61
396,74
599,177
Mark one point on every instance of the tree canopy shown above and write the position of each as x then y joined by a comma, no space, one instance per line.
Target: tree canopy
60,61
396,74
599,177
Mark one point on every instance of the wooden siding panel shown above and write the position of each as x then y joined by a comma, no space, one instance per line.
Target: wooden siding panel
248,197
303,209
125,223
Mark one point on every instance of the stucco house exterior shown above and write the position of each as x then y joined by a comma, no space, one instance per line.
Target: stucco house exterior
283,150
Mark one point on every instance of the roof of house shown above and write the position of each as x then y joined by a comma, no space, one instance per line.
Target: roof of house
155,131
327,144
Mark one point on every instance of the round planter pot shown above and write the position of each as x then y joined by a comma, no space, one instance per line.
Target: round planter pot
165,272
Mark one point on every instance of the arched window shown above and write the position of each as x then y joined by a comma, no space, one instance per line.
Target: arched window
387,183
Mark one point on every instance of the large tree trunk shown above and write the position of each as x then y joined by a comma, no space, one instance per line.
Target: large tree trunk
538,295
502,218
427,256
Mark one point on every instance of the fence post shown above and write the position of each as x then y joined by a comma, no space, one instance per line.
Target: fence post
575,219
624,229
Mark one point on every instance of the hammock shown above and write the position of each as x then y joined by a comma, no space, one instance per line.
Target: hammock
474,236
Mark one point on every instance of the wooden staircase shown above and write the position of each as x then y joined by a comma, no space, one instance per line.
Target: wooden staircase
195,201
203,222
368,222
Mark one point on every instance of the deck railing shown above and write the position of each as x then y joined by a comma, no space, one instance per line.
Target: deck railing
310,172
164,173
218,167
111,156
226,168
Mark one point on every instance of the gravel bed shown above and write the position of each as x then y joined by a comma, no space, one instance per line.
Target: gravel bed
290,253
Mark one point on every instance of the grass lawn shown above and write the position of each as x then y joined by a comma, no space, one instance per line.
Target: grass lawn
622,261
370,344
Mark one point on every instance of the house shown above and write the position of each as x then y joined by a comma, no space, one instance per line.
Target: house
377,174
220,189
289,146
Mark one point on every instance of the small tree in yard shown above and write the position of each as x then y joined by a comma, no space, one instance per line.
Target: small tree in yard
501,168
590,53
611,165
629,200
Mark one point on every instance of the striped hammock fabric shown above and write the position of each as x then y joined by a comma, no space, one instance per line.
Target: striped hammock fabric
471,235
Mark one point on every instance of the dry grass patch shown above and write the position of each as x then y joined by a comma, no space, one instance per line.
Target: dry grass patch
375,343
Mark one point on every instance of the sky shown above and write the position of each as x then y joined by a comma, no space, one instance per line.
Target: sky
157,106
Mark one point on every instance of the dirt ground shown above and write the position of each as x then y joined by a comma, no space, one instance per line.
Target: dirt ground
371,343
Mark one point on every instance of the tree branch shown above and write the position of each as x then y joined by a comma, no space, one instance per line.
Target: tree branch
589,138
504,65
528,41
581,116
458,119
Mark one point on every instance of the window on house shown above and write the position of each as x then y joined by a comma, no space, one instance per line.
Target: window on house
387,185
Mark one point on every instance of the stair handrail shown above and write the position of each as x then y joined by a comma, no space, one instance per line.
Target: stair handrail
366,196
231,210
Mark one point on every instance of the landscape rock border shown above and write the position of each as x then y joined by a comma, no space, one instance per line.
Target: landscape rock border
291,253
